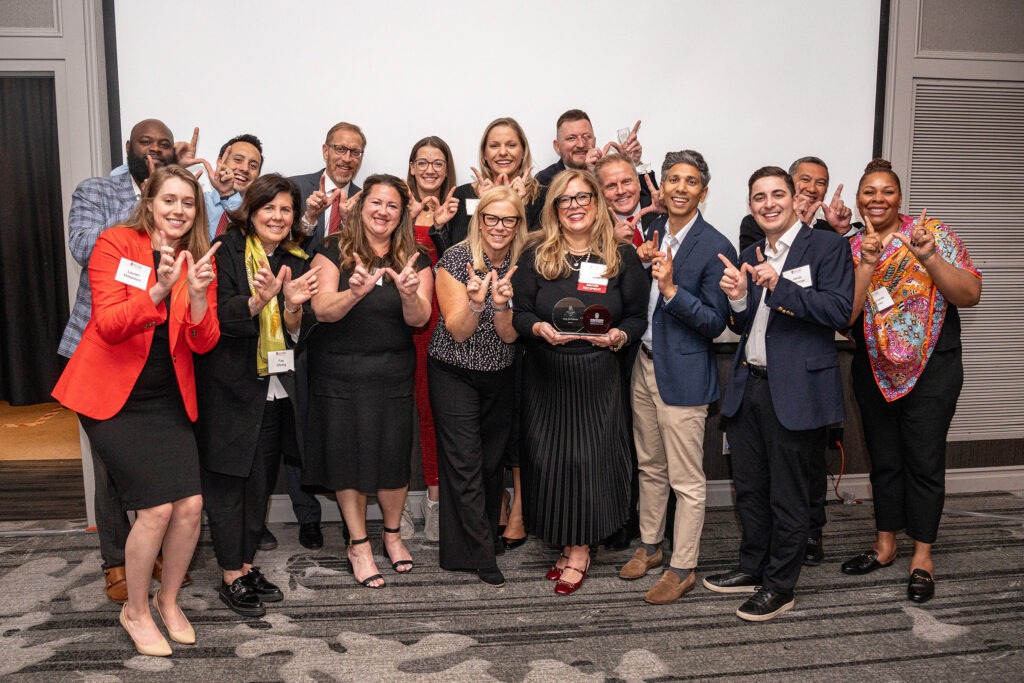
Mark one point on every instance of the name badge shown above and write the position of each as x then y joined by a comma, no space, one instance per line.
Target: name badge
281,361
471,205
592,278
132,273
883,301
799,276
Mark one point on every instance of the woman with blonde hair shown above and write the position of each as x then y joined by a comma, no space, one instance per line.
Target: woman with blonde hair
472,381
375,289
581,295
132,383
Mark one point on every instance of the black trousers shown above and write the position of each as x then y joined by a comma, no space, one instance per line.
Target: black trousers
112,525
236,507
817,487
770,468
906,442
473,420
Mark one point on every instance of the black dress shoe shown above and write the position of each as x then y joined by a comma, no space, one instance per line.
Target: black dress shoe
241,598
764,605
814,552
921,587
267,541
865,563
733,582
310,535
492,576
623,538
266,591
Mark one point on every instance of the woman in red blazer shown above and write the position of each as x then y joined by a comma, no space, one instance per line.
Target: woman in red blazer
132,384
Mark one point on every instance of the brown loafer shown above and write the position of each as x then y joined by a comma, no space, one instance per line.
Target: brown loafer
158,572
640,564
117,587
670,588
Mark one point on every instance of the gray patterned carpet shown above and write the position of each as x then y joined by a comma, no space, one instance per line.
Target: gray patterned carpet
56,625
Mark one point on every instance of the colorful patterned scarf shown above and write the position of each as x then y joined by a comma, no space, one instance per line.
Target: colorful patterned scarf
900,339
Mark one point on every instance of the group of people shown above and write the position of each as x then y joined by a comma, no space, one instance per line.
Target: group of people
556,329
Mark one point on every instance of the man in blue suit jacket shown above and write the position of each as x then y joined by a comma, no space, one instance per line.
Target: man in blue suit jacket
785,387
343,152
675,376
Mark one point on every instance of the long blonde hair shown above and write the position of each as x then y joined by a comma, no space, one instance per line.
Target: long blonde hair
549,259
474,239
197,240
352,237
532,186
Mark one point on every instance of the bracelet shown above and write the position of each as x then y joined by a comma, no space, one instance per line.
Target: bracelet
930,254
499,309
474,311
293,312
617,346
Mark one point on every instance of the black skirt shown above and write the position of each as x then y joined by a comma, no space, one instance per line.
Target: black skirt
573,435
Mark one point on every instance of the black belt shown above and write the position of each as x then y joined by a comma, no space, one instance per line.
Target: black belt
757,370
646,351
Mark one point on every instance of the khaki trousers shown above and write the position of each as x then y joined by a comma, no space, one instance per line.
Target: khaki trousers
670,456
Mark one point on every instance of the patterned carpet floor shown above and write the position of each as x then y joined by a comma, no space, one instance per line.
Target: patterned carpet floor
432,625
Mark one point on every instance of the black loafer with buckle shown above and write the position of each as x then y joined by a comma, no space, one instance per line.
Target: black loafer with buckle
865,563
921,587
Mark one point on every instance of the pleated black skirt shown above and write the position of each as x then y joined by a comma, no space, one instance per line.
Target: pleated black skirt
576,466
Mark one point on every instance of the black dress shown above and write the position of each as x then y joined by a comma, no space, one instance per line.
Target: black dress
573,433
360,422
149,447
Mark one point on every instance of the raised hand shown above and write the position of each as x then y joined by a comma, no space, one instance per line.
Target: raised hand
657,203
763,273
922,240
169,269
362,281
185,152
223,179
345,205
476,287
407,281
266,285
519,186
416,206
837,213
648,249
805,208
623,228
318,202
482,184
301,289
734,280
594,155
661,271
445,212
501,289
631,147
201,272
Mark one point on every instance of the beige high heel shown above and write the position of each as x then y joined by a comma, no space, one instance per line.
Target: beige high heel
186,636
160,649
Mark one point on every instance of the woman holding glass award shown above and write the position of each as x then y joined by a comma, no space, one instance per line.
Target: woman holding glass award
580,296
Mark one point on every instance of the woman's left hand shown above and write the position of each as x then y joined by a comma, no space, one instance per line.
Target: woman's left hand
611,338
447,210
302,289
266,285
501,290
200,273
407,281
922,240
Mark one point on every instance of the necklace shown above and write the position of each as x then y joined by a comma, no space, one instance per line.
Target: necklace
579,252
574,261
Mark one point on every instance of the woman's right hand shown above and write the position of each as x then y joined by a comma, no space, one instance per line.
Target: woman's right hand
362,281
477,287
548,333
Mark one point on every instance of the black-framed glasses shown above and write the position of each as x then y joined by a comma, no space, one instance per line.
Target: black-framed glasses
342,150
581,199
438,164
491,221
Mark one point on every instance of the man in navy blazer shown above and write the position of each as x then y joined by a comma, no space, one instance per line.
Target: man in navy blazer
343,152
675,375
789,295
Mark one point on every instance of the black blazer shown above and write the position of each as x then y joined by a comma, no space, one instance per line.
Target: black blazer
308,184
231,395
751,232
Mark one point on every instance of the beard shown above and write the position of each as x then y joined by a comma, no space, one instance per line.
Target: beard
138,167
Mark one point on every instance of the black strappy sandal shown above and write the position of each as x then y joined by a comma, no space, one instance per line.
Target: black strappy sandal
351,570
400,563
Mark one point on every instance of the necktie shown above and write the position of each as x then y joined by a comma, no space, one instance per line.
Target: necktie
335,224
638,237
222,225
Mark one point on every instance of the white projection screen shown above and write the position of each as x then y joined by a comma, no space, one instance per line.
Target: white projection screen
747,83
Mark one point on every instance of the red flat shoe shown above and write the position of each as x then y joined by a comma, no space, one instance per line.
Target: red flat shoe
564,587
555,573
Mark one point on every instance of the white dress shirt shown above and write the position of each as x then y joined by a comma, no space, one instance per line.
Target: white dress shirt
669,240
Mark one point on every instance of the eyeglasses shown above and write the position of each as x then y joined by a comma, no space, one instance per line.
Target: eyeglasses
438,164
581,199
491,221
342,150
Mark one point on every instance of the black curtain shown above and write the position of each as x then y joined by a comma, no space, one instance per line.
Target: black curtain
33,275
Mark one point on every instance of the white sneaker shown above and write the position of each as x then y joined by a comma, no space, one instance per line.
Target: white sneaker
408,525
431,527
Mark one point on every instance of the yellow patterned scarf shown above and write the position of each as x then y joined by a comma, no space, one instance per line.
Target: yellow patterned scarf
271,327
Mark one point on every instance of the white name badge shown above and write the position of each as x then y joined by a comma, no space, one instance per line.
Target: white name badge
800,276
471,205
592,278
281,361
883,301
132,273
